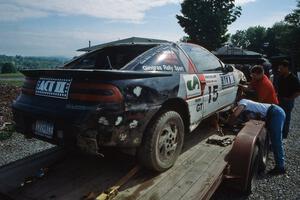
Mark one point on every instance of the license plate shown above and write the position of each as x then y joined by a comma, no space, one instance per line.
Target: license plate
44,129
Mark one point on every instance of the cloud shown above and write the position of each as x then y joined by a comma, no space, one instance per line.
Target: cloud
10,12
243,2
128,10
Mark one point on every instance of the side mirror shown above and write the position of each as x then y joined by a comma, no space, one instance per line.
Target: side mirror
228,68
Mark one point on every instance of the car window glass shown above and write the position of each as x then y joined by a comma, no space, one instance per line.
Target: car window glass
182,57
163,59
203,59
114,57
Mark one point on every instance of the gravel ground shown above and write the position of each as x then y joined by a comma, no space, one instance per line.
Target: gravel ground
285,186
18,147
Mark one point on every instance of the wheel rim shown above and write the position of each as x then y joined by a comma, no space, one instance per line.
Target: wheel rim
168,141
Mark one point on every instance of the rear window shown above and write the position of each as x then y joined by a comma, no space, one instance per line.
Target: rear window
162,59
114,57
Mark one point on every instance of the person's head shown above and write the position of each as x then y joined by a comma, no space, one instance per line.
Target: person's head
283,68
257,72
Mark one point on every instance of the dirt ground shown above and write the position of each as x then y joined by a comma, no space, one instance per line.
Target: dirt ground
7,94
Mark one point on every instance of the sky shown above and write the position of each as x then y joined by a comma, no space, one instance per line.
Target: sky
60,27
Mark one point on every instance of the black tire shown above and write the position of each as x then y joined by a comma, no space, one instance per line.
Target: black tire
162,142
263,155
252,176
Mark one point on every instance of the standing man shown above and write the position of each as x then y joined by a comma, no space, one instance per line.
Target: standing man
288,90
275,117
262,86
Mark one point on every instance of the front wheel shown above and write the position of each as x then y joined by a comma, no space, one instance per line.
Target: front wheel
162,142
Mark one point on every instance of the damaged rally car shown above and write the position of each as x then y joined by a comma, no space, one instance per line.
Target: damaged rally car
134,96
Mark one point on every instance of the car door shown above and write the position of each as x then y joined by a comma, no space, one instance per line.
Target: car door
208,66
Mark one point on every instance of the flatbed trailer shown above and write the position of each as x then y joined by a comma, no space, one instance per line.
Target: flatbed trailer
197,173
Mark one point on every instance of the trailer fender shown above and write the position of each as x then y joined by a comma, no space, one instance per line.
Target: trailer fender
240,156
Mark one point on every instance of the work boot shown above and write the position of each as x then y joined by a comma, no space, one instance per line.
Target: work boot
277,171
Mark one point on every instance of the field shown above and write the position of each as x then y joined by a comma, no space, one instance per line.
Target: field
11,75
14,79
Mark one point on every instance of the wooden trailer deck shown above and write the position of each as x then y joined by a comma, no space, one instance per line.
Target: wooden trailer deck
197,172
71,176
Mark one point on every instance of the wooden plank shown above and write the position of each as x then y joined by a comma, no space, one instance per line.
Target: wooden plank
141,186
167,180
202,186
198,171
146,180
178,180
12,174
75,176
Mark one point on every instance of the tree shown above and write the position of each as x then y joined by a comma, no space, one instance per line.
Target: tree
277,37
256,36
293,21
252,39
239,39
8,68
206,21
293,18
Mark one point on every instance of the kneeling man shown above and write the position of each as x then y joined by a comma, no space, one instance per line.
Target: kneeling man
275,117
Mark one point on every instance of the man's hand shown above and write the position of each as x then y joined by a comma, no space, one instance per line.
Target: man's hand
236,112
243,87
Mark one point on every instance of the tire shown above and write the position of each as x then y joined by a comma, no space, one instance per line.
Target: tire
263,155
252,176
162,142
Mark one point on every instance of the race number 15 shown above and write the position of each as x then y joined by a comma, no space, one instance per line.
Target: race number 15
213,93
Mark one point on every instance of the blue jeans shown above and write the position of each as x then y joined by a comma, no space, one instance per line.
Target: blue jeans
287,106
275,125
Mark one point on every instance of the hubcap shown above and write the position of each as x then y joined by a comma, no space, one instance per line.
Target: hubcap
167,142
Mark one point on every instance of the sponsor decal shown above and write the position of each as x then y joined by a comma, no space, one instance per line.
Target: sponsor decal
168,68
199,107
192,84
53,87
227,80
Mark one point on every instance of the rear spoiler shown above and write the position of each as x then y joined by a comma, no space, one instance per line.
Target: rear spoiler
90,73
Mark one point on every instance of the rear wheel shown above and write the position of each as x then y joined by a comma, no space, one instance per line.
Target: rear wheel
252,176
162,142
263,155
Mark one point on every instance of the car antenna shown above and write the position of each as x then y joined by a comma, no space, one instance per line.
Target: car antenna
109,63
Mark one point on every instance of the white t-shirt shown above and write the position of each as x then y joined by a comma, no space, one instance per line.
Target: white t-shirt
253,106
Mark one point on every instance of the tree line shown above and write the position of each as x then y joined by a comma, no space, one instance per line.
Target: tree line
11,64
206,22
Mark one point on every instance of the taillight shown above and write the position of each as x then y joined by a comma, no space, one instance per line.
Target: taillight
95,92
29,86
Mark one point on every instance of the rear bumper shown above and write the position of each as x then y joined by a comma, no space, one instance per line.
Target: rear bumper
105,126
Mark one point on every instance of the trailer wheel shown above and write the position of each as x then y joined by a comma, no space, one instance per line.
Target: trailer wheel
252,176
263,155
162,142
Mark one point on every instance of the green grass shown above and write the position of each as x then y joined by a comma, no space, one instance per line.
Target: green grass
7,131
12,75
18,83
